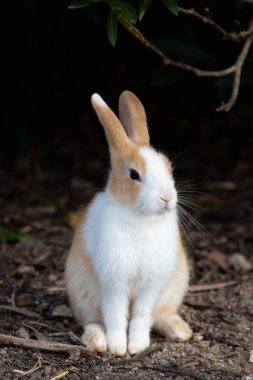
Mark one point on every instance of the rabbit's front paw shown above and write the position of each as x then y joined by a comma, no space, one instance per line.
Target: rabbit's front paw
117,342
138,343
94,337
177,329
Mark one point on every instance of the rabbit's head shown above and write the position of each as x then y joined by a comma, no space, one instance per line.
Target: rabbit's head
140,177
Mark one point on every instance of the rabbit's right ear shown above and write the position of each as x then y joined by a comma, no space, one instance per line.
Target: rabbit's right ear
114,131
133,117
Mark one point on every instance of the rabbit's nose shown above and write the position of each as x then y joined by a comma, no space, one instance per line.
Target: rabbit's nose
165,199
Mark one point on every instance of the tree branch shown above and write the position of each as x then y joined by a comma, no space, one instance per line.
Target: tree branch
232,36
167,60
235,69
237,77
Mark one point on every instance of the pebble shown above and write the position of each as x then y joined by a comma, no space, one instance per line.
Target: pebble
197,337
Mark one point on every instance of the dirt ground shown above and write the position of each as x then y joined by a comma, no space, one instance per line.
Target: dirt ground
38,214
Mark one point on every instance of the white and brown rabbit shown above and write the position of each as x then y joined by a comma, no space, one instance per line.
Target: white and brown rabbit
127,270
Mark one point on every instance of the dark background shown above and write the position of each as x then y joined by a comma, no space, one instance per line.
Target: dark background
54,58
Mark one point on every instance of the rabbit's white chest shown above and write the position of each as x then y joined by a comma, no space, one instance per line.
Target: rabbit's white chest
131,251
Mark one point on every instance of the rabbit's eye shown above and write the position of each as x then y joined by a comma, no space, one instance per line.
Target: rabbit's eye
134,175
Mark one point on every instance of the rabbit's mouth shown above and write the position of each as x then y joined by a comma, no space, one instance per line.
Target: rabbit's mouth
168,203
155,205
165,200
160,210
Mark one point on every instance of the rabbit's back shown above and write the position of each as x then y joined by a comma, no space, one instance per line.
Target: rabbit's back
80,278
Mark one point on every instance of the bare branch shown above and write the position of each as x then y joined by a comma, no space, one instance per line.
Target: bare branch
232,36
39,345
237,78
235,69
167,60
20,310
205,20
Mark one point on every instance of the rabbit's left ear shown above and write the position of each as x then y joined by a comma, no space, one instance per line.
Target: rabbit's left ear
133,118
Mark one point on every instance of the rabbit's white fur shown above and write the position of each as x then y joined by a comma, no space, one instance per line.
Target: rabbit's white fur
127,270
158,183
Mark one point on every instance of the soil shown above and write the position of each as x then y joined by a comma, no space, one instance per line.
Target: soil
39,211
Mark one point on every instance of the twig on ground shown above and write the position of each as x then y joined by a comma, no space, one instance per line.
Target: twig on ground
148,351
62,374
13,301
36,366
136,357
201,305
207,287
39,345
44,325
20,310
218,338
37,333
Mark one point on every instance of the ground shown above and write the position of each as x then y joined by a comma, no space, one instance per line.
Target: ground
38,214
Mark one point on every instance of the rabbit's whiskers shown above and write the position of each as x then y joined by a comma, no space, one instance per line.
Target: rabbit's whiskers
186,197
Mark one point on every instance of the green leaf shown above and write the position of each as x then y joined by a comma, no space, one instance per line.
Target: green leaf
10,236
143,7
112,28
171,5
81,3
126,10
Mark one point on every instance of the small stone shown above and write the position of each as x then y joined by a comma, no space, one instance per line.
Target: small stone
198,337
52,277
240,263
164,362
23,332
251,356
25,269
62,311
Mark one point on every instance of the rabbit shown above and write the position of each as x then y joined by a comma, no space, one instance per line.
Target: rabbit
127,270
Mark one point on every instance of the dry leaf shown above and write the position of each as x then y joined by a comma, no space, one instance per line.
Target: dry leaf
23,332
24,301
217,257
62,311
26,269
198,337
73,217
240,263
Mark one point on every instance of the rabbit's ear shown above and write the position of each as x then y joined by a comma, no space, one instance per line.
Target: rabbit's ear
114,131
133,117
